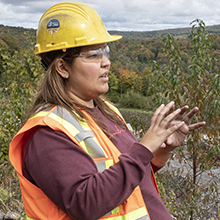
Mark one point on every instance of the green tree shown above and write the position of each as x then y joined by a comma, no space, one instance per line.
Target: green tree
146,81
195,86
112,93
19,76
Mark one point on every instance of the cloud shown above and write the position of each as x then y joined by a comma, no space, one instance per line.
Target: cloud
127,15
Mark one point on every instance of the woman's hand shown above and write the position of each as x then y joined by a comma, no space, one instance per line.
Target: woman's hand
177,138
163,126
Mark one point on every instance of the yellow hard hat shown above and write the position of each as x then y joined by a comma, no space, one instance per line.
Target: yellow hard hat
70,24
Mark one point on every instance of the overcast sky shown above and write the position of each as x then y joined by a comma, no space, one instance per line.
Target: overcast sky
123,15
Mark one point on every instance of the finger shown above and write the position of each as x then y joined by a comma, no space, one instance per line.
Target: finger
197,125
165,123
169,140
174,128
188,116
153,119
171,109
182,113
163,145
163,111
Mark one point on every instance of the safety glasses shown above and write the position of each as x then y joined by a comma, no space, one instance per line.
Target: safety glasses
94,56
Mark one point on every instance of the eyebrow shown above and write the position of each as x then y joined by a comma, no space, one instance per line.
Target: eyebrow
96,48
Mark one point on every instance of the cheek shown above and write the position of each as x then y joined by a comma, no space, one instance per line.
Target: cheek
94,67
92,72
86,70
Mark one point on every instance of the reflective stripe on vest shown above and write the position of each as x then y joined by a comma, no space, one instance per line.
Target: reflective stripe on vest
103,152
83,134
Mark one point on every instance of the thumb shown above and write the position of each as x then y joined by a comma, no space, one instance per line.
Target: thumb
163,145
169,140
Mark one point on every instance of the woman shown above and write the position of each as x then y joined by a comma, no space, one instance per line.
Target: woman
75,156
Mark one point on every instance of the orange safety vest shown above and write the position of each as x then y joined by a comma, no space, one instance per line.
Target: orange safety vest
90,138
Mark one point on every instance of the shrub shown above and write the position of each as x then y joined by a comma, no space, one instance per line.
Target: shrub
136,101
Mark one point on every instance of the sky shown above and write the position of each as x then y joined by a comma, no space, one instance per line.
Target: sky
121,15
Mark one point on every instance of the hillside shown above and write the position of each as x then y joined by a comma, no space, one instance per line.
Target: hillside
15,35
178,32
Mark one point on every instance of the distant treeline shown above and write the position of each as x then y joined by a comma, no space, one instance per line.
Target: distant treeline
177,32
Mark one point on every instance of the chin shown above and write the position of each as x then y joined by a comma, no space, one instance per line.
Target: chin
104,92
107,88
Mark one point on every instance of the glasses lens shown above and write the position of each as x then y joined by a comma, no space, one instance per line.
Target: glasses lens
95,56
107,51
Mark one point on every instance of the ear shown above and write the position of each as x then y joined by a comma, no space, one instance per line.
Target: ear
61,68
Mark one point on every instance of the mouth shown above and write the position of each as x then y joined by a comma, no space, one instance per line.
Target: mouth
104,75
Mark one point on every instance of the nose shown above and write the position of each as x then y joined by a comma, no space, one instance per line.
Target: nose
105,62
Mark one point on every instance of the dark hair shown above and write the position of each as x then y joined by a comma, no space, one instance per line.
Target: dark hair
52,91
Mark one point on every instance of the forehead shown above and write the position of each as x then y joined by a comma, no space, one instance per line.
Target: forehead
93,47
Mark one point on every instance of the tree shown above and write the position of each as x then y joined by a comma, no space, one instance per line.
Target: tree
113,87
199,86
146,81
19,76
19,73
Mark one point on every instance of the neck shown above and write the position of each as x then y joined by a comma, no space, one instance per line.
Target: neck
87,103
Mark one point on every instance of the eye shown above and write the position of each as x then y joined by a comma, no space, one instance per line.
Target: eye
93,53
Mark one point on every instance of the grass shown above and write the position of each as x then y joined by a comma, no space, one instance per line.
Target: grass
136,110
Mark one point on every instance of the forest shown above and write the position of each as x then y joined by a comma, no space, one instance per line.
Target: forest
147,69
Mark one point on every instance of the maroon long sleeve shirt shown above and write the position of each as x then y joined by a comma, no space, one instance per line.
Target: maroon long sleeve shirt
69,177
